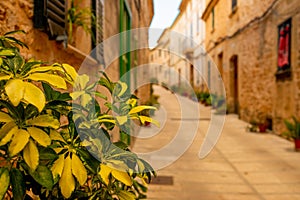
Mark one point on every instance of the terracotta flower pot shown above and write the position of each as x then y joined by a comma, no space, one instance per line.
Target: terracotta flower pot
297,144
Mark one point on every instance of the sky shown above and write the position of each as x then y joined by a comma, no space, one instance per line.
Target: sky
165,12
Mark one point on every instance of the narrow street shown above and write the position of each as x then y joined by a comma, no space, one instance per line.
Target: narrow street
242,166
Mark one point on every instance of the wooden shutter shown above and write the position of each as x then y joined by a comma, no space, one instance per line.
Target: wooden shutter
51,16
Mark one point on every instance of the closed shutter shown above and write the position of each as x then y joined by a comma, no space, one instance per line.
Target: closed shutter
51,16
98,30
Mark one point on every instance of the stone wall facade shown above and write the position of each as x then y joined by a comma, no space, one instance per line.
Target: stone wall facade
18,15
247,39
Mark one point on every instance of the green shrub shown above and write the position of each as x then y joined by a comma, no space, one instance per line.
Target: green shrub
41,157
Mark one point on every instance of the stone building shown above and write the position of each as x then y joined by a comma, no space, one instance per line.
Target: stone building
256,46
160,60
187,35
48,34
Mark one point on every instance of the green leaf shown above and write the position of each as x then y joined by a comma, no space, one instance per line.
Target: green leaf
126,195
30,111
4,180
91,163
47,154
18,184
43,176
44,121
31,155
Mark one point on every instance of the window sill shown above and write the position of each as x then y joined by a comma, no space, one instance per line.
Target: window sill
283,75
233,11
80,55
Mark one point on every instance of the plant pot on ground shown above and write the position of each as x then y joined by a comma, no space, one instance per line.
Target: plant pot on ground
293,131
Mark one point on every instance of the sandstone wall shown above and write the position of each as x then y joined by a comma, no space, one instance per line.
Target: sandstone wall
260,95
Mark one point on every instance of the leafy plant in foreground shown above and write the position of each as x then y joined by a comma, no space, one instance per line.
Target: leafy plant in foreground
55,144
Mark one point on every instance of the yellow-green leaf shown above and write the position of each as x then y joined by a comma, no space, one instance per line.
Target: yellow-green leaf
5,129
76,94
4,117
148,119
45,69
121,119
54,135
132,102
67,181
104,173
70,70
122,176
40,136
4,77
85,99
34,96
82,80
123,88
31,155
141,165
4,180
78,169
18,142
52,79
140,108
44,121
15,90
125,195
58,166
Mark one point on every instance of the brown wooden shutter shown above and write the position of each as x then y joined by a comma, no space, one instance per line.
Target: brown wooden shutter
51,16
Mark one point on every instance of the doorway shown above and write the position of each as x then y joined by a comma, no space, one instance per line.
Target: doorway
234,83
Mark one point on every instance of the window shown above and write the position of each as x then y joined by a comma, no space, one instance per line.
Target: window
213,18
159,52
98,30
51,16
284,45
233,5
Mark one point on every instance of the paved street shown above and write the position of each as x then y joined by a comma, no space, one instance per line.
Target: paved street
242,166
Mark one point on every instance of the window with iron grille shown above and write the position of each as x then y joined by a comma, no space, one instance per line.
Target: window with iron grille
51,16
284,46
98,30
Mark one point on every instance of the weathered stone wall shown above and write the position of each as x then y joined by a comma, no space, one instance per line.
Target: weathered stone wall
17,15
260,95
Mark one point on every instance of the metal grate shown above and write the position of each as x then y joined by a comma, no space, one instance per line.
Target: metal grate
163,180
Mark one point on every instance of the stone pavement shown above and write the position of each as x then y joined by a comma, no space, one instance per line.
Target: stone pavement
242,166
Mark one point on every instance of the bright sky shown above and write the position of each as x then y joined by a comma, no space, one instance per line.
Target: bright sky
165,11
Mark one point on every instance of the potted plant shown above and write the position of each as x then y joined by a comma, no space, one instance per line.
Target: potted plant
51,145
293,131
